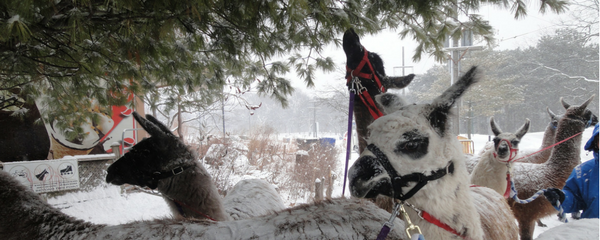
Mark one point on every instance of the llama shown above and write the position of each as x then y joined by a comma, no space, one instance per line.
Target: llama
171,168
358,70
162,161
547,141
413,158
362,73
492,169
251,198
529,178
26,216
549,137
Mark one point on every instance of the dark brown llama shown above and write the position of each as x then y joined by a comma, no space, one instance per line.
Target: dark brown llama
355,55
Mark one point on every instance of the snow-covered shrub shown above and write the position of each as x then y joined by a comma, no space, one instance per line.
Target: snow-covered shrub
318,164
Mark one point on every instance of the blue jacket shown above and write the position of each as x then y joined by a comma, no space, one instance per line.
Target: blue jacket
581,189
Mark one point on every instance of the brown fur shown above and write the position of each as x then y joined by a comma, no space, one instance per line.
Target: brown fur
529,178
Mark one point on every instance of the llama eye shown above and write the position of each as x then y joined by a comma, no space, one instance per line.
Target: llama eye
410,146
514,142
414,148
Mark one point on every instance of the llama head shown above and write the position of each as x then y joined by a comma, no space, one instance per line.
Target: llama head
355,53
152,159
580,112
414,138
506,144
554,118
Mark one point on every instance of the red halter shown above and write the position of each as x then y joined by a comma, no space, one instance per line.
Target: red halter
362,92
513,152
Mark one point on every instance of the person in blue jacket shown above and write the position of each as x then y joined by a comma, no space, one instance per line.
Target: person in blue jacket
581,189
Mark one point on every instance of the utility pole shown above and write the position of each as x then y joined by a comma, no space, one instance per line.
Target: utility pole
454,61
223,113
315,124
403,67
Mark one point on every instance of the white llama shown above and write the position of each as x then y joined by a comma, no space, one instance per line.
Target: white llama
496,163
413,157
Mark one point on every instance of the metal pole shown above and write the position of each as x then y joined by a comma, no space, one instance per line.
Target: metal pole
454,61
223,113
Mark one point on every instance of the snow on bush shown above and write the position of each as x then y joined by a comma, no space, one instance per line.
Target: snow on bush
262,155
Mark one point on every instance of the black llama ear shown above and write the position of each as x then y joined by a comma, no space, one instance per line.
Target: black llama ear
150,127
159,124
495,129
521,132
398,82
389,102
441,105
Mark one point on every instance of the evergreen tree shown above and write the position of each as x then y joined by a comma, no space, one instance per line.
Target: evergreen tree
79,52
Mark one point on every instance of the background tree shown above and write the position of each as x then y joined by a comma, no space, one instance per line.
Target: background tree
76,51
521,83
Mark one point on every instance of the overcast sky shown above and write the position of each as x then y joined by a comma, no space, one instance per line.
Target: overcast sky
510,34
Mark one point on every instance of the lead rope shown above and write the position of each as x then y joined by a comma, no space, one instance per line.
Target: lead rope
349,139
513,194
385,230
513,191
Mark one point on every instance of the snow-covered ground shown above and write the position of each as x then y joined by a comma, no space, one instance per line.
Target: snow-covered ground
107,205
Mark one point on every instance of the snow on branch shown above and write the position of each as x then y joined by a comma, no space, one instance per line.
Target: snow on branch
559,72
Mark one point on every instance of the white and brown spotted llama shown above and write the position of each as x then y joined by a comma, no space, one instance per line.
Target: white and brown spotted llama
413,157
494,166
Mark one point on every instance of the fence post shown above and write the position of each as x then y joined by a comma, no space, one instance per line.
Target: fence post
115,146
318,190
329,191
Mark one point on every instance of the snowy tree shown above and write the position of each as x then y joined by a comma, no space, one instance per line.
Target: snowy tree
76,51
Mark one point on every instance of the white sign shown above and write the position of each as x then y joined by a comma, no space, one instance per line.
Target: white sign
46,175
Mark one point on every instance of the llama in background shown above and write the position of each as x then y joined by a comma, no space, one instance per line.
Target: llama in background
494,165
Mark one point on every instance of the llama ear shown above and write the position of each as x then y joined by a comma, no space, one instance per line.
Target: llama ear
521,132
389,102
565,105
160,125
398,82
441,105
586,103
495,129
150,127
552,115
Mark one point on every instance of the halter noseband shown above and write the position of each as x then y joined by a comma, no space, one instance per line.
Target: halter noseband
511,157
402,181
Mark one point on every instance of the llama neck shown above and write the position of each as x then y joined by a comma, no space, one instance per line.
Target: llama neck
490,173
449,200
567,154
549,136
193,194
26,216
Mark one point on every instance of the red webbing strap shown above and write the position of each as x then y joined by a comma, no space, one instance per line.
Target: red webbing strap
439,223
366,98
364,95
507,192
